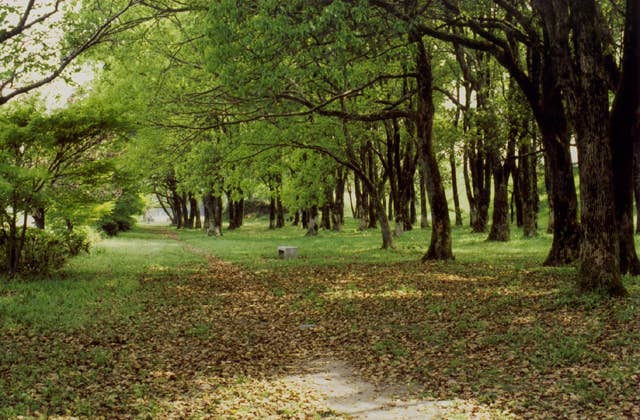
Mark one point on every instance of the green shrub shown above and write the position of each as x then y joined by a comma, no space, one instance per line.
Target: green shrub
42,252
76,242
120,219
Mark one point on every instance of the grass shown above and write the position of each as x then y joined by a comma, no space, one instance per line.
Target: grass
147,326
254,246
93,288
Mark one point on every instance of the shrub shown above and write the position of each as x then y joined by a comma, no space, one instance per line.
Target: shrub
76,242
120,218
42,252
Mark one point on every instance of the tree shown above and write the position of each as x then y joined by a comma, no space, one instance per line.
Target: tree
40,153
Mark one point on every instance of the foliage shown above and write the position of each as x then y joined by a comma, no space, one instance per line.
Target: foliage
52,160
121,219
42,253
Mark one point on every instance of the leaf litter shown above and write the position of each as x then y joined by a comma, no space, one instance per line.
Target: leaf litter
445,340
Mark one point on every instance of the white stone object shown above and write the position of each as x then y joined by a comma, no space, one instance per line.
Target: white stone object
287,251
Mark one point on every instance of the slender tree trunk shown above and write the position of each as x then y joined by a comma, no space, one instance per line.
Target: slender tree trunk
500,218
296,218
337,211
272,212
185,211
454,186
279,212
413,210
440,246
528,190
385,227
193,209
206,213
164,208
424,215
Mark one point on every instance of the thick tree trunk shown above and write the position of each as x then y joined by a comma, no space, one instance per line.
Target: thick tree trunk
238,213
500,218
563,199
312,224
440,246
38,215
636,182
624,132
599,267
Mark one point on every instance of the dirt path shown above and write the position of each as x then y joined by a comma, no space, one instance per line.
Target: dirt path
346,394
305,365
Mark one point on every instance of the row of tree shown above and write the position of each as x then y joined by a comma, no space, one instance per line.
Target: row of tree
306,98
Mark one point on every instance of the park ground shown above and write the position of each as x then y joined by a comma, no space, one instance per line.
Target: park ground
164,323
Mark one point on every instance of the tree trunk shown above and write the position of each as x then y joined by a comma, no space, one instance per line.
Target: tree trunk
337,211
599,267
279,212
38,215
501,171
296,218
194,213
636,181
624,134
526,181
424,215
239,213
440,246
454,186
312,224
185,212
272,212
206,213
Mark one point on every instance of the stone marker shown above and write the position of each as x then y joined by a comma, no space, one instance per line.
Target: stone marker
287,251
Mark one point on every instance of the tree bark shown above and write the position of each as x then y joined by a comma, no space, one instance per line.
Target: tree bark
440,246
38,215
599,263
501,171
272,212
624,134
454,187
312,224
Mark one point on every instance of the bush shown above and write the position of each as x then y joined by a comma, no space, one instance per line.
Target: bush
42,252
120,219
76,242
